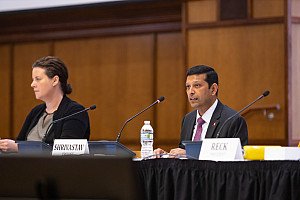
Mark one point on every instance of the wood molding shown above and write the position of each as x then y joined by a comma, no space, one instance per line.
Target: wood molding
243,22
249,9
11,95
90,20
295,20
261,107
218,10
95,32
105,20
288,70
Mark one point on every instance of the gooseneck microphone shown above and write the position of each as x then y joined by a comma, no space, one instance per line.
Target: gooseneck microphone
266,93
60,119
160,99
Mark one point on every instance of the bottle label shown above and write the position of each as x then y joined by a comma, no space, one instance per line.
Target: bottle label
146,136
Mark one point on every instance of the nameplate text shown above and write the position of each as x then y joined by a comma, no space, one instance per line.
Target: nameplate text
70,147
221,149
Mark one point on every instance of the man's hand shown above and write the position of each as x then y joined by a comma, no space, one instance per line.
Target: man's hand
177,151
157,152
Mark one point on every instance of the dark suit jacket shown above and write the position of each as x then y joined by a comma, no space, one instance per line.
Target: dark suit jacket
77,126
235,127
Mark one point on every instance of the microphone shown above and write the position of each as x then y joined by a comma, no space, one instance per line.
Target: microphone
266,93
160,99
60,119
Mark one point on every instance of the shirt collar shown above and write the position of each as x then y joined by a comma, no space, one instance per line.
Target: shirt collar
208,114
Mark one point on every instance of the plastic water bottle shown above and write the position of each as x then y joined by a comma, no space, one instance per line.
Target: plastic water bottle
146,140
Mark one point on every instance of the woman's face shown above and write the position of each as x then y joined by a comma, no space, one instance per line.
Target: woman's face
42,85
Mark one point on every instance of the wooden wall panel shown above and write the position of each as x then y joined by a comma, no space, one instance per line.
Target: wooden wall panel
268,8
5,87
170,75
295,81
23,96
202,11
125,72
249,60
116,74
295,8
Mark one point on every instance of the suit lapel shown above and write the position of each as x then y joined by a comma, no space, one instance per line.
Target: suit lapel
215,120
190,129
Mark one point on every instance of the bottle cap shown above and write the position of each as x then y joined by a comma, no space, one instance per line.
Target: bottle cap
147,122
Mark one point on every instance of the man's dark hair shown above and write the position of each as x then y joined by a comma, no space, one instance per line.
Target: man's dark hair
54,66
211,74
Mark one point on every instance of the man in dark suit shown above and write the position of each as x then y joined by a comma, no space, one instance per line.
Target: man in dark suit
210,114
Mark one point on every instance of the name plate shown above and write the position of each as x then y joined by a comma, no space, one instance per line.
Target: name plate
221,149
63,147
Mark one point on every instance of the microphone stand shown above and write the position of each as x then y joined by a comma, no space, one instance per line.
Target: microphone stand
55,121
160,99
266,93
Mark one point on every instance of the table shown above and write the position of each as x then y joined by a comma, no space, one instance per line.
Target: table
193,179
38,176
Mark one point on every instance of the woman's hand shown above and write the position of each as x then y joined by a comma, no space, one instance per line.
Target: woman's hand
7,145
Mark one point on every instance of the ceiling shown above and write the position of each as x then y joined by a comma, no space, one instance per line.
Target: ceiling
18,5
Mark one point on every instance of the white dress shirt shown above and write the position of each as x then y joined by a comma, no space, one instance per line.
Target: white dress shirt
206,117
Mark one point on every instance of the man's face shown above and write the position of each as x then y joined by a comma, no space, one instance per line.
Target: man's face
200,96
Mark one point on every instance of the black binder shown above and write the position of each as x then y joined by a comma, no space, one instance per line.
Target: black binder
109,148
192,149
